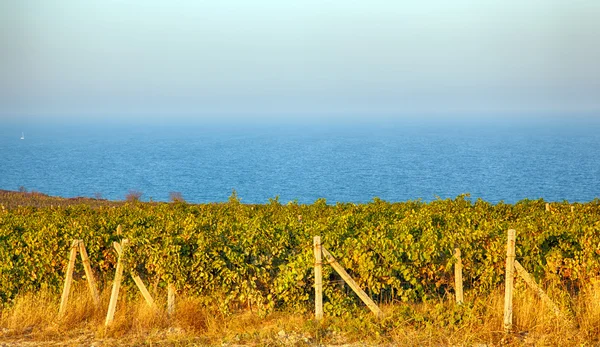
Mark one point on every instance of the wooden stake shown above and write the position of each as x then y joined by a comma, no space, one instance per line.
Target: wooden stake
88,273
361,294
510,268
171,299
547,207
531,282
112,306
572,209
318,279
140,284
458,281
68,278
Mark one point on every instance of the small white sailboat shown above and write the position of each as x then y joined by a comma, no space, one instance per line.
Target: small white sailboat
22,136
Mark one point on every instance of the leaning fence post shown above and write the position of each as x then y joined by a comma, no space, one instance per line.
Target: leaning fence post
318,279
531,282
88,273
458,281
68,278
510,269
112,306
353,285
140,284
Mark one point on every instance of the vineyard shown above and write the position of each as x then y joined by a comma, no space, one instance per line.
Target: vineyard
260,257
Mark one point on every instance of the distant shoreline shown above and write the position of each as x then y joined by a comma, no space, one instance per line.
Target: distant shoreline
13,199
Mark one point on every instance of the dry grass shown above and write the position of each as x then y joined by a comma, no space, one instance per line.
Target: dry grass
30,312
587,310
33,318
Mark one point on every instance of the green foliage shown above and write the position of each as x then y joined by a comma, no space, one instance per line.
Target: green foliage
261,257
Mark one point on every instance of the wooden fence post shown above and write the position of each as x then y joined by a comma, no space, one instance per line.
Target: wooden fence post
510,268
171,299
458,281
361,294
88,273
318,279
112,306
68,278
547,207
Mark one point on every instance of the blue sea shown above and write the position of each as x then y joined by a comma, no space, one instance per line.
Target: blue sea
499,159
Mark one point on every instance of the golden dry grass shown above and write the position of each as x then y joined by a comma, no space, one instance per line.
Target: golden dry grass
33,318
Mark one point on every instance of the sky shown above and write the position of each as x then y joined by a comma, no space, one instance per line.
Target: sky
207,60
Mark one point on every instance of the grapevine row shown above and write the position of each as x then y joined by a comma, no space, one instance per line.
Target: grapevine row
261,255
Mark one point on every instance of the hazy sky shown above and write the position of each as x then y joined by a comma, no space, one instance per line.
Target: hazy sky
107,58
